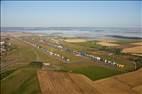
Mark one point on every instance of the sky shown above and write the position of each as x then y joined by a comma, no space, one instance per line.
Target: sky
71,13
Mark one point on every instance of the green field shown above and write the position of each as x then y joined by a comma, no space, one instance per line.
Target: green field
91,70
21,81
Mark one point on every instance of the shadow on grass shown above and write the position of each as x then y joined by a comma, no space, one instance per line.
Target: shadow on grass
6,73
36,64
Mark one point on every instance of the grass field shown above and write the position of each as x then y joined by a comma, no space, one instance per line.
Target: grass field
19,76
91,70
21,81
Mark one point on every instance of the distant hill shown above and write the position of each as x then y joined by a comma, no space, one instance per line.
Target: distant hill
124,37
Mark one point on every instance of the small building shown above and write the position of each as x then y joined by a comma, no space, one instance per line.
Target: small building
41,41
38,46
62,57
77,55
2,42
58,55
109,62
98,58
82,53
46,64
3,50
120,65
105,61
51,53
60,46
114,63
68,60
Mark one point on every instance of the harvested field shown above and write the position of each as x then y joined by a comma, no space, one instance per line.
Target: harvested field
138,89
132,79
133,50
138,54
107,43
137,43
129,83
112,86
64,83
107,40
75,40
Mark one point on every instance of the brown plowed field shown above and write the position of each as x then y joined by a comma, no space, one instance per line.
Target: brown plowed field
75,40
129,83
133,50
107,44
64,83
69,83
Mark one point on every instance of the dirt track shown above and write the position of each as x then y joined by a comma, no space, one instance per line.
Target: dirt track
69,83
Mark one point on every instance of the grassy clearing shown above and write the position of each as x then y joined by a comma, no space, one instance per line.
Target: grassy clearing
17,79
6,73
22,81
95,72
92,72
23,54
